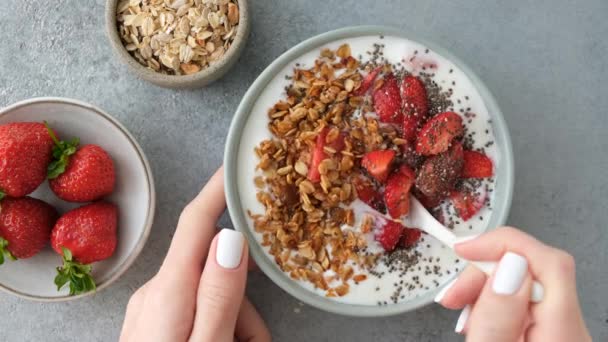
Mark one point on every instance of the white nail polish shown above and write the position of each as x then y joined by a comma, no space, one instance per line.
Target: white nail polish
510,274
538,292
462,319
229,248
444,290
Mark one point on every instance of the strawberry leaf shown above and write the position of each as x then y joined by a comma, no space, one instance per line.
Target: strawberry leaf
76,274
61,153
4,252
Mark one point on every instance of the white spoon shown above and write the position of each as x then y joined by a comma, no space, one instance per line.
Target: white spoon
420,218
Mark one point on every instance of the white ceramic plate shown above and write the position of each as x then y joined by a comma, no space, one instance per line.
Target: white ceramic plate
134,194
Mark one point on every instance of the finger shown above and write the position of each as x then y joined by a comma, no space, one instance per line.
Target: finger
250,326
196,228
221,288
492,245
134,307
501,311
464,290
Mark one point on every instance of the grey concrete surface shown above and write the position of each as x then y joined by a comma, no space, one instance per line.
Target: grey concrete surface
545,61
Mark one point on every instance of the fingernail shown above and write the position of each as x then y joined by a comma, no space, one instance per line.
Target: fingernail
510,274
462,319
444,290
461,239
538,292
229,248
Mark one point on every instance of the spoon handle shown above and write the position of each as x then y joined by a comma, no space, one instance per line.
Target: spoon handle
423,219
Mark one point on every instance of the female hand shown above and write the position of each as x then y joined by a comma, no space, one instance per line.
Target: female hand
498,309
186,301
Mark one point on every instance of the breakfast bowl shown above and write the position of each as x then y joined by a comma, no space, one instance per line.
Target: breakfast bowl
179,45
134,195
267,186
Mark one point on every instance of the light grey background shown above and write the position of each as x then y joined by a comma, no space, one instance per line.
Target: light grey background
545,61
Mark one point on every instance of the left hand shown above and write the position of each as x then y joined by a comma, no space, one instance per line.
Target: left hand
186,301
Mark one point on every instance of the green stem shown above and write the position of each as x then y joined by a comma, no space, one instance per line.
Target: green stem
61,153
4,252
77,275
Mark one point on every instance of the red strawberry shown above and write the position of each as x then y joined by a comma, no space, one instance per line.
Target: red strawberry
25,227
438,175
378,163
411,125
467,203
397,192
318,153
476,165
387,101
367,193
367,82
84,175
388,235
25,152
426,201
83,236
410,237
413,97
437,134
415,106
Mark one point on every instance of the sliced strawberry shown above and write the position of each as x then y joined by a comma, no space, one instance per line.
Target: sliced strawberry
437,134
387,101
367,82
467,203
318,153
413,97
410,127
408,172
410,237
438,175
427,201
397,192
388,235
378,163
368,193
476,165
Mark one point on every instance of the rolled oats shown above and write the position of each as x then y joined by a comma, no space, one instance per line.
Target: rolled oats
177,37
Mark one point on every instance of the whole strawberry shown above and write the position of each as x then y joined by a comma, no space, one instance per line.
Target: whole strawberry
25,152
25,227
83,236
82,174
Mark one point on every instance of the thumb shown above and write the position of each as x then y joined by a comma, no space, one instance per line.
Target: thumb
501,311
221,289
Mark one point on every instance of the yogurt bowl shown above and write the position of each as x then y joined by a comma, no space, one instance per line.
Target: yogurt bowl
385,288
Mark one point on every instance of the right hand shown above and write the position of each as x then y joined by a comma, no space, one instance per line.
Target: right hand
498,308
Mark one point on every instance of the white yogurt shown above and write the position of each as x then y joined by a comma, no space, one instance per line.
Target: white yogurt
376,290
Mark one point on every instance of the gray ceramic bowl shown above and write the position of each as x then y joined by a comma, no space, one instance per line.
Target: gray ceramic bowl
504,172
198,80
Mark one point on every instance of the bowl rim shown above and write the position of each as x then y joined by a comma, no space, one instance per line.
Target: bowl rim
500,210
152,76
126,264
